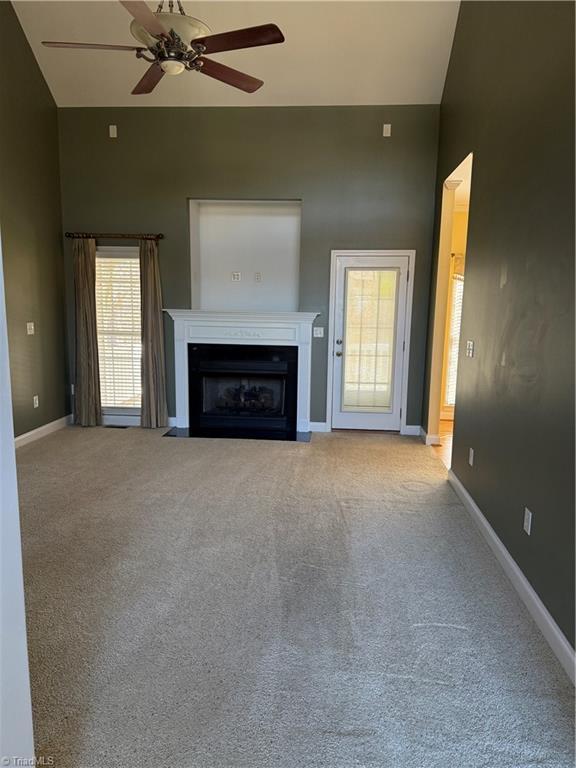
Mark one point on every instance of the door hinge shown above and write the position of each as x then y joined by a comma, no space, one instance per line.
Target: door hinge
407,275
400,412
403,346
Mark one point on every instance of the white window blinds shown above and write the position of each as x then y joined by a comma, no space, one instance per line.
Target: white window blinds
457,293
118,320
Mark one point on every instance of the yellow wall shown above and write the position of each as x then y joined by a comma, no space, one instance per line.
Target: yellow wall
459,231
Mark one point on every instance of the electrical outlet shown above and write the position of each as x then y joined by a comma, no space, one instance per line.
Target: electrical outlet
258,277
527,521
471,456
469,348
30,329
36,401
236,277
319,333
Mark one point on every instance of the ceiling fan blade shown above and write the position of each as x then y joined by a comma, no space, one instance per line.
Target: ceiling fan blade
267,34
144,17
230,76
150,80
96,46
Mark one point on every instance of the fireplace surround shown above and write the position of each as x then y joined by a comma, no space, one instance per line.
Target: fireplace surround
243,329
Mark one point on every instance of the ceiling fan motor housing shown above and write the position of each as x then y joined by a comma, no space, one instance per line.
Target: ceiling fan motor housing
174,53
187,28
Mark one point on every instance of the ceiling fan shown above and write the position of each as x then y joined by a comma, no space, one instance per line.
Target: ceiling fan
175,42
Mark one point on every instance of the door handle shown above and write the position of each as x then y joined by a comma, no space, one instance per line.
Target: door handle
338,354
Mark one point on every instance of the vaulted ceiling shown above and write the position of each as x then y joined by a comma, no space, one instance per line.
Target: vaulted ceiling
335,53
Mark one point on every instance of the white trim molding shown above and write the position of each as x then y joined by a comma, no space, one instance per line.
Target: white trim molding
45,429
430,439
412,430
319,426
411,256
551,631
287,329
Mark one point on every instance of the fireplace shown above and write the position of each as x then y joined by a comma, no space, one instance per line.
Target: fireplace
242,390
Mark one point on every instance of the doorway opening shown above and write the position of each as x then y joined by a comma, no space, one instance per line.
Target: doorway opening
450,283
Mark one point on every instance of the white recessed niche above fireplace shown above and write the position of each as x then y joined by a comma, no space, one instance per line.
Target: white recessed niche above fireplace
245,255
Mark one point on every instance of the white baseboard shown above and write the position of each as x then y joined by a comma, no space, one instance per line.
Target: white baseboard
45,429
551,631
430,439
319,426
411,429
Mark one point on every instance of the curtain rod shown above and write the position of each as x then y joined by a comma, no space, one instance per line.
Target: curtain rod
109,236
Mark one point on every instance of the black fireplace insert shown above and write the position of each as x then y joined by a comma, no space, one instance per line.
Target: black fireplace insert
241,390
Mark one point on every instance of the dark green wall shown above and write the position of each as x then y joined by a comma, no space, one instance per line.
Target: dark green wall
358,190
30,222
509,99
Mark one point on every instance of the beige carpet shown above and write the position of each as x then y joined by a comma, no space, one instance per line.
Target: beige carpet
235,604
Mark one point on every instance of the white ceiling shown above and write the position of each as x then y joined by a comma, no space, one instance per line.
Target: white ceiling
336,52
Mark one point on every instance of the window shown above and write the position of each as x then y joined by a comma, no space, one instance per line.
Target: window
118,321
453,341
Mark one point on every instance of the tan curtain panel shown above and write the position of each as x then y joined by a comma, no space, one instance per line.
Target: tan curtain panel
87,407
154,410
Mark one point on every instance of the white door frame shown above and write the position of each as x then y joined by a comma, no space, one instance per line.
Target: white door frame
335,255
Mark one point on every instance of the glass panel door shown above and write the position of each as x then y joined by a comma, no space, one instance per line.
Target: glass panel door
369,299
369,339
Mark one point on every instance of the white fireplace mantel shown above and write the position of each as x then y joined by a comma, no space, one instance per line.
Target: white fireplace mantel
267,328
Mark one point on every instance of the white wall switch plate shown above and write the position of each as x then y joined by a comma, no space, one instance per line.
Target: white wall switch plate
30,329
236,277
319,333
387,130
471,456
258,277
113,131
36,401
527,520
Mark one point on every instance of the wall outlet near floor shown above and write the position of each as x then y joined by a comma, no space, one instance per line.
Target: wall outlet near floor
30,329
258,277
469,348
236,277
36,401
527,520
319,333
471,456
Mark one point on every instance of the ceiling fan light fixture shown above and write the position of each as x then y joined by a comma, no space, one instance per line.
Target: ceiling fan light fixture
172,66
